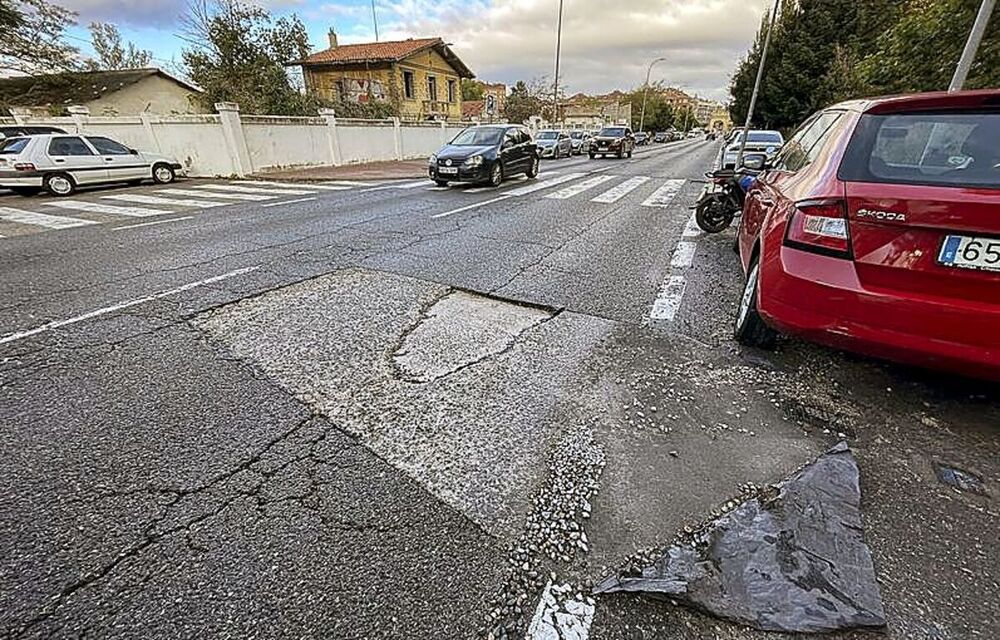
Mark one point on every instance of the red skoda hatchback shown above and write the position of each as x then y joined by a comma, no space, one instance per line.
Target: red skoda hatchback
877,230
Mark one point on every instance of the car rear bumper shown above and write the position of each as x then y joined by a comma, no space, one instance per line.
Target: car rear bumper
20,179
821,299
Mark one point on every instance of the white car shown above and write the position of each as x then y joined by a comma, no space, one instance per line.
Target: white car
59,163
759,141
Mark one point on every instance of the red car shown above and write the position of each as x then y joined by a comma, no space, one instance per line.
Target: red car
877,230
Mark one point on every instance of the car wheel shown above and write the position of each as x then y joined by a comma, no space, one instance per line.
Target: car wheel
619,154
496,175
630,153
532,171
134,183
441,183
592,155
26,191
163,173
59,184
750,329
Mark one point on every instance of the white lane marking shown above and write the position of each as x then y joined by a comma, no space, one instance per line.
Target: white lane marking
239,189
618,192
9,214
578,188
149,224
227,196
96,207
489,188
437,188
663,196
683,255
348,183
691,229
293,185
55,324
278,204
668,301
471,206
143,199
411,185
545,184
561,617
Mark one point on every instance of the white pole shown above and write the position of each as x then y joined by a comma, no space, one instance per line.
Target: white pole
555,89
642,117
972,45
756,86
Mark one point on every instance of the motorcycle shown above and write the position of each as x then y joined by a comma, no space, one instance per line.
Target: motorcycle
722,199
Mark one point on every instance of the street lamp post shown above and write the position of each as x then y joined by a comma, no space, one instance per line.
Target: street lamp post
555,86
972,45
756,85
645,90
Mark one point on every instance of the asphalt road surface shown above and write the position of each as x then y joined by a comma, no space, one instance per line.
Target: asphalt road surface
360,410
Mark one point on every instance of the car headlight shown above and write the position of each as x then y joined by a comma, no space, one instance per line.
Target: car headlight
474,161
433,159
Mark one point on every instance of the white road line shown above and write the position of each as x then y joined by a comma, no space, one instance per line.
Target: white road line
293,185
149,224
545,184
663,196
471,206
348,183
578,188
570,618
410,185
97,207
437,188
504,185
278,204
618,192
49,326
144,199
239,189
228,196
683,255
691,229
668,301
8,214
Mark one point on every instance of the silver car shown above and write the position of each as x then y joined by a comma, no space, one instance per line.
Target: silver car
59,163
759,141
553,144
580,140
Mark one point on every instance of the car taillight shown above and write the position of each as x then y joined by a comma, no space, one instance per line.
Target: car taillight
820,226
23,166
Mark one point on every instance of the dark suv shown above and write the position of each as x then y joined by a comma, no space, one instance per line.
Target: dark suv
619,141
487,153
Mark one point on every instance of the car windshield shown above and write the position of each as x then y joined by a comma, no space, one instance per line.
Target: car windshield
478,137
613,132
577,135
928,149
13,146
548,135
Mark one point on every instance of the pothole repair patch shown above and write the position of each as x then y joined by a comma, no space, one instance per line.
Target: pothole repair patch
459,330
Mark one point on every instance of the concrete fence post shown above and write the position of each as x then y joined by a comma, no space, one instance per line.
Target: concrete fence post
444,132
80,115
232,130
20,114
147,126
333,138
397,138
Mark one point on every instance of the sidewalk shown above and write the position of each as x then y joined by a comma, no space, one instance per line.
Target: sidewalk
391,170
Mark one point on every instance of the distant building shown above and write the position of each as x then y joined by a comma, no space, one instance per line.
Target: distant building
420,77
720,120
127,92
704,109
593,112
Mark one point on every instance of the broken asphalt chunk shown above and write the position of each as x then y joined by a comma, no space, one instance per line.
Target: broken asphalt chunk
795,563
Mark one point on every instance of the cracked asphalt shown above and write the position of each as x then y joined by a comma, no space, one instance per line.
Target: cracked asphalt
345,418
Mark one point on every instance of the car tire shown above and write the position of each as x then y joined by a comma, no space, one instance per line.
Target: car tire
496,175
630,153
592,155
134,183
26,191
163,173
620,154
532,171
750,329
59,184
441,183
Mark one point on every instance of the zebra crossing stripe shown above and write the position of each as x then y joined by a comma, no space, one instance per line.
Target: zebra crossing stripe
295,185
177,202
253,197
9,214
663,196
617,193
579,187
544,184
96,207
258,190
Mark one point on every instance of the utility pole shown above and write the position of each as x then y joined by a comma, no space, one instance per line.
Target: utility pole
642,117
375,20
555,86
756,85
972,45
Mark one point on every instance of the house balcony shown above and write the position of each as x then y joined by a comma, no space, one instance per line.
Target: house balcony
436,106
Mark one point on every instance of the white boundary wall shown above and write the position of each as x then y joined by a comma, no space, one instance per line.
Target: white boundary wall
226,144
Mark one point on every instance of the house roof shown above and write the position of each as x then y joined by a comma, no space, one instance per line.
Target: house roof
472,108
74,87
376,52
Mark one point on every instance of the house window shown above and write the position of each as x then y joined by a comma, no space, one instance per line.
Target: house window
451,91
432,88
408,85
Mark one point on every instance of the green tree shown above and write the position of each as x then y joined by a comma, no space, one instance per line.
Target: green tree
32,37
472,90
112,52
660,114
238,53
522,103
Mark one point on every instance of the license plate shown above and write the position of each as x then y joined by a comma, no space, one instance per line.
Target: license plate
970,252
448,170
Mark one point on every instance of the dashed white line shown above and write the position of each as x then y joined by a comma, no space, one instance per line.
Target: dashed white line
314,186
668,301
471,206
578,188
49,326
257,190
41,219
410,185
177,202
348,183
283,202
683,255
617,193
663,196
691,229
437,188
252,197
96,207
150,224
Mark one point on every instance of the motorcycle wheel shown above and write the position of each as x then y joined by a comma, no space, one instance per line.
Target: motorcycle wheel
712,216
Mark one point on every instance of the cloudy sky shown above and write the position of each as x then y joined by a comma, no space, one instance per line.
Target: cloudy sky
607,44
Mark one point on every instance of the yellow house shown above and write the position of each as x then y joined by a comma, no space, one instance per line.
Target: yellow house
420,77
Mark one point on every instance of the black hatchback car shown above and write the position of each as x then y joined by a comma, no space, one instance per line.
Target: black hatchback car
487,153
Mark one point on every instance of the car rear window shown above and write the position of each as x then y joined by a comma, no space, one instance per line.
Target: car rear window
764,136
13,146
944,149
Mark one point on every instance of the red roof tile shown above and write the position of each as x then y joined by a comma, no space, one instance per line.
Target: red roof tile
373,51
473,108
